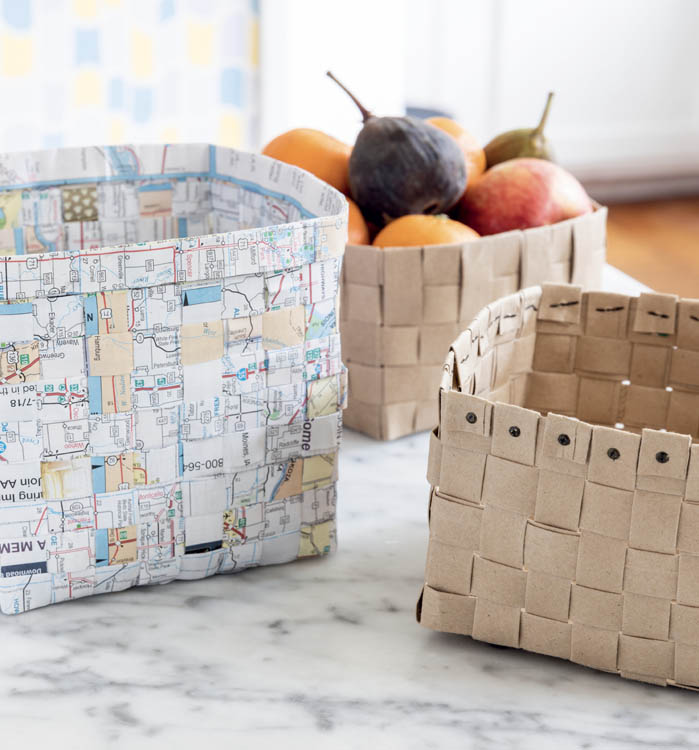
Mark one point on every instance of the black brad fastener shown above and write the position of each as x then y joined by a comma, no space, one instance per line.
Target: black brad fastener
471,418
661,457
563,439
515,431
614,454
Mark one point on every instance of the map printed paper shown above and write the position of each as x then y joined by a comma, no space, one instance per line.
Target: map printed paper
171,384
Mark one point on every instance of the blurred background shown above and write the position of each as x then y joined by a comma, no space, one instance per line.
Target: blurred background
238,72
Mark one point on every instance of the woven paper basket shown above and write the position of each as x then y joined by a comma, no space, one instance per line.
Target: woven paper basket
574,534
169,408
402,307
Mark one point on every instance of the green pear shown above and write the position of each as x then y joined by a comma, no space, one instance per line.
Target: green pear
523,142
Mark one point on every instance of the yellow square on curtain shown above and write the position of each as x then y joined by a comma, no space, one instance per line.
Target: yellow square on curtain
230,131
200,42
17,54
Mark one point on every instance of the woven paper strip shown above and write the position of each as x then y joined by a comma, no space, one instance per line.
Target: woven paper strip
402,307
169,408
564,514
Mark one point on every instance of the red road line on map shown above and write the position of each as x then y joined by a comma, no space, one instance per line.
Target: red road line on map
46,507
117,547
104,302
279,291
71,394
14,374
305,401
114,393
284,214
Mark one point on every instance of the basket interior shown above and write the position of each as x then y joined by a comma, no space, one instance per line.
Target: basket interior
100,212
604,358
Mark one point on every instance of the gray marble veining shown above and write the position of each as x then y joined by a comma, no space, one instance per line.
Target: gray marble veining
317,653
324,651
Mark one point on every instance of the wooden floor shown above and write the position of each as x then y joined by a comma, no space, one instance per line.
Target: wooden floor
657,243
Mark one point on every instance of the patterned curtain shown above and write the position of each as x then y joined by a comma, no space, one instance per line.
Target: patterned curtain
81,72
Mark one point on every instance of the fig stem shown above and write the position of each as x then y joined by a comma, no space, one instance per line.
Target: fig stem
545,116
365,112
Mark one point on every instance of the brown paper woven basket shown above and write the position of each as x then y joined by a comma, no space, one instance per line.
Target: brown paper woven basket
402,307
574,534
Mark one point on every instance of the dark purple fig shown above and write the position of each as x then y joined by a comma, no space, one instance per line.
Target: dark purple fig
402,165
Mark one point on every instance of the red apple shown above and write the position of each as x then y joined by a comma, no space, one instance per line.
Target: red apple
522,193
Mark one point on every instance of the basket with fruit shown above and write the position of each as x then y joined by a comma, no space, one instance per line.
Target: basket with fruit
438,228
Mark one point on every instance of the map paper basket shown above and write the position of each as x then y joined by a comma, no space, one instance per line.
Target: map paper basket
169,408
403,306
574,534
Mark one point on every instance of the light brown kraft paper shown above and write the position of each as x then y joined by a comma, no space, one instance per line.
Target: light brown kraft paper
437,290
403,292
556,535
390,421
370,344
546,254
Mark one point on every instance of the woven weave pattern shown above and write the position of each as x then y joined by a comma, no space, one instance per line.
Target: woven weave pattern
402,308
170,408
555,535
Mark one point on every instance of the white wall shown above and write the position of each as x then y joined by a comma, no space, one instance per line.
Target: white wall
362,41
625,72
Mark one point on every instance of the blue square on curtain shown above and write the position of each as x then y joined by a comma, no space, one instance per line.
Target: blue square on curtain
115,93
232,87
167,9
17,13
141,103
87,46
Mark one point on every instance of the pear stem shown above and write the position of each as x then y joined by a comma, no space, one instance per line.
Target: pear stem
365,112
545,116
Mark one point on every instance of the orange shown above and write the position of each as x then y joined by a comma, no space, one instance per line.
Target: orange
473,153
315,151
357,231
418,230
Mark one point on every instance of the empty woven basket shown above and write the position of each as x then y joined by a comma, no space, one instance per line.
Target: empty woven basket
170,372
574,534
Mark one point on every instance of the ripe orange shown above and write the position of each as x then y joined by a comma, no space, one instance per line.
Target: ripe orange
357,231
473,153
315,151
418,230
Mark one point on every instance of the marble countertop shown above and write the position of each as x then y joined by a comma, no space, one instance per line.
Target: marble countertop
321,651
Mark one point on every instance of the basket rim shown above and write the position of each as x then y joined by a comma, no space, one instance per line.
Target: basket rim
533,295
15,176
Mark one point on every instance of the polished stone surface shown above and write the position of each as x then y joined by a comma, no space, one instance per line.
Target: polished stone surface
323,652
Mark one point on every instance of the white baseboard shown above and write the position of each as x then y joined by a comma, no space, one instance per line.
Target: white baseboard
637,188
